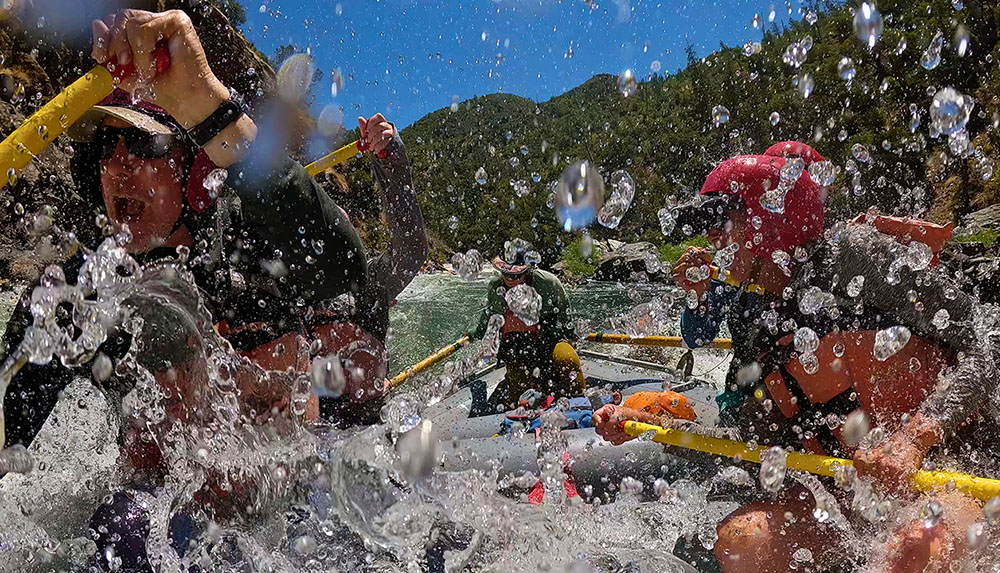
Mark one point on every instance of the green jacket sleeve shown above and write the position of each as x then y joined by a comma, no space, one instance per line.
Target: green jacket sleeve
554,319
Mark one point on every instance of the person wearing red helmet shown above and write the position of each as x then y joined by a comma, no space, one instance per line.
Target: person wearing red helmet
830,325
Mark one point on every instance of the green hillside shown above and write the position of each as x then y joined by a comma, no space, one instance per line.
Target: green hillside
663,134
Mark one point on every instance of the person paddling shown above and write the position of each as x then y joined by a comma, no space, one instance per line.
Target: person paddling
267,250
832,328
536,353
353,326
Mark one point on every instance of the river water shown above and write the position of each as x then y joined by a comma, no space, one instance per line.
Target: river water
246,495
438,308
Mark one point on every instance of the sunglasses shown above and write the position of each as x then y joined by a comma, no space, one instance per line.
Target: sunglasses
139,143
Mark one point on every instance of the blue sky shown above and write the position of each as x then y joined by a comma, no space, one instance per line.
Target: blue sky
406,58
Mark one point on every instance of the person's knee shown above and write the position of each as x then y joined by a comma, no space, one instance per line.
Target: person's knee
564,355
741,534
567,365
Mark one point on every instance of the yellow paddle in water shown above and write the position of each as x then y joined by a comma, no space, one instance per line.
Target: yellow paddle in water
661,341
978,487
426,363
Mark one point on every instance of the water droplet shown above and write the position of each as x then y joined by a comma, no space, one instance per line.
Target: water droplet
626,83
931,513
521,187
453,222
889,341
579,195
615,207
214,181
932,55
855,428
806,341
720,115
942,319
806,85
961,40
845,69
802,555
16,459
775,118
328,378
481,176
868,24
976,534
901,46
524,150
18,209
855,285
992,510
101,368
11,176
295,77
823,173
796,53
525,303
860,153
772,469
304,545
950,110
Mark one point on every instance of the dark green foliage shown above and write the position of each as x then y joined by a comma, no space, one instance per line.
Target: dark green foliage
664,137
233,10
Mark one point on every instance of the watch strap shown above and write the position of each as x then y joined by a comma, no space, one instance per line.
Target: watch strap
227,113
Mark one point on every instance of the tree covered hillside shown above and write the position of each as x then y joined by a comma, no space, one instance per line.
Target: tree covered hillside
664,136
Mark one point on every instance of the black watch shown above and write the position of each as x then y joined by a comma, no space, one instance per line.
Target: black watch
227,113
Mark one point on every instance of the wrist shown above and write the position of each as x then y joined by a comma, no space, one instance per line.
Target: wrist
203,102
923,431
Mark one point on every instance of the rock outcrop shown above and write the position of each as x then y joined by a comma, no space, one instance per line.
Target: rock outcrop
628,262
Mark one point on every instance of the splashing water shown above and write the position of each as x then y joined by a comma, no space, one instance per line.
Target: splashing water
579,195
622,194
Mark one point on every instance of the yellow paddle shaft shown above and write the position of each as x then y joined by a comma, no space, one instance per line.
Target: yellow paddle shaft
978,487
661,341
426,363
337,157
52,119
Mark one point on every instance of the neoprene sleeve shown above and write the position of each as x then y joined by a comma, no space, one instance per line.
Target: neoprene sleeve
284,208
408,240
861,250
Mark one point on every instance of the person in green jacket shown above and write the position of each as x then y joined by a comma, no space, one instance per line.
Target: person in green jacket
534,335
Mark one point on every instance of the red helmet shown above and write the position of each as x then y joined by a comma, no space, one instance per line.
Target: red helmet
750,176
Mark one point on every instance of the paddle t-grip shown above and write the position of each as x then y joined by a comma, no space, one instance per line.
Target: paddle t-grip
161,58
